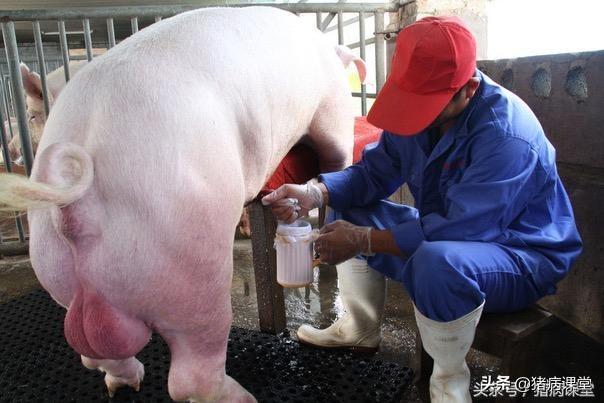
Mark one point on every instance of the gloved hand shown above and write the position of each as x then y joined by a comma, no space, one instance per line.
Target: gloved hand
292,201
341,240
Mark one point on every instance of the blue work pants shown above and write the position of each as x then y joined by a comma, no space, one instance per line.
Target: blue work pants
448,279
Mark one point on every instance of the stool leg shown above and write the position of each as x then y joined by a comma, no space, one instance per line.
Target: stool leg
518,360
271,306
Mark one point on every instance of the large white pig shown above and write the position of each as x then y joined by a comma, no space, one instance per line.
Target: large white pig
145,164
36,116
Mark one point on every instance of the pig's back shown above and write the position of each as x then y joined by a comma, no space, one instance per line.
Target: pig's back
244,80
252,51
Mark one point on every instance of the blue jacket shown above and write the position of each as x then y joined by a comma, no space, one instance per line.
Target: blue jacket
492,177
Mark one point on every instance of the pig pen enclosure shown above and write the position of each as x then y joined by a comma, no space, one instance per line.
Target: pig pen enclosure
37,362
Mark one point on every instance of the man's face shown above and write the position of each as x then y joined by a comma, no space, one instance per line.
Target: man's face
457,104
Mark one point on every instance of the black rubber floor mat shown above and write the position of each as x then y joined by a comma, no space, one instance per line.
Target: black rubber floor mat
36,364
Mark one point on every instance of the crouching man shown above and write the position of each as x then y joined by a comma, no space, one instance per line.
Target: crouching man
493,230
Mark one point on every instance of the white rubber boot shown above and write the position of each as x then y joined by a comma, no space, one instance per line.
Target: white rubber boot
363,292
448,344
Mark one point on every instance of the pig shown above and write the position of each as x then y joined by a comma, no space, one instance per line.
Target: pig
146,161
32,84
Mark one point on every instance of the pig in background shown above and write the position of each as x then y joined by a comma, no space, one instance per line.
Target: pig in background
36,116
146,161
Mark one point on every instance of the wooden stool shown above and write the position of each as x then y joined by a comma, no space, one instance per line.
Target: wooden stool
514,337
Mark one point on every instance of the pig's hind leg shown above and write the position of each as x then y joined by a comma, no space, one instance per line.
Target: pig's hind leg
197,369
118,373
331,134
198,345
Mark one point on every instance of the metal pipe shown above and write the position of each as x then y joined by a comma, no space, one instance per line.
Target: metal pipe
7,103
348,22
87,38
340,28
5,140
42,63
110,33
330,17
369,95
9,168
362,55
152,11
358,44
64,48
380,50
14,248
134,24
318,16
12,57
327,21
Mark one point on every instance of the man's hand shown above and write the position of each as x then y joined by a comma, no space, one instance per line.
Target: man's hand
292,201
341,240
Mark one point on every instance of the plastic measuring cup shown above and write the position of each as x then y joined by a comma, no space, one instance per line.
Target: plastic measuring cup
293,243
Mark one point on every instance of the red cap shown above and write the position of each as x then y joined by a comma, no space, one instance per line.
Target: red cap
434,58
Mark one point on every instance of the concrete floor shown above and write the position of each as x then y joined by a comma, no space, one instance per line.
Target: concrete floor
565,352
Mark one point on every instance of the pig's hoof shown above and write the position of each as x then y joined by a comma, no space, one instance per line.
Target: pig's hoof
236,393
115,382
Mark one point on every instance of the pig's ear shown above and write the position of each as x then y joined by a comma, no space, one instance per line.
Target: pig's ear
31,82
346,56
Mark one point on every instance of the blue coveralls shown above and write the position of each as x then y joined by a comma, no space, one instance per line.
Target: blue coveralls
493,222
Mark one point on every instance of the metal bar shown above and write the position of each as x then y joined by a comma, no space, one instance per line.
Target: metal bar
359,95
5,140
346,23
20,228
330,17
327,21
14,248
358,44
87,38
110,33
7,104
12,57
64,48
9,169
318,15
380,51
362,55
152,11
157,18
340,28
5,154
134,24
42,63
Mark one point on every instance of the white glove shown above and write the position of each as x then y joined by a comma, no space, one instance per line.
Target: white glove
290,202
341,240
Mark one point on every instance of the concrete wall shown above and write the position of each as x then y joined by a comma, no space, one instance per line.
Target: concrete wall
566,92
